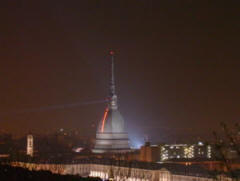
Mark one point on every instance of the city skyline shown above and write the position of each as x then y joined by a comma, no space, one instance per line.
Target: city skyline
177,66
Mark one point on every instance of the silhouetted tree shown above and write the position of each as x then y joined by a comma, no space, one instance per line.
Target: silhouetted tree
229,140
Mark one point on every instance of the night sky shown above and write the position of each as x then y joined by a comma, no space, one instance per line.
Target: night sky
177,64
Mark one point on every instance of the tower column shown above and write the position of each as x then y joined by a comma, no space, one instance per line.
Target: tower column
30,145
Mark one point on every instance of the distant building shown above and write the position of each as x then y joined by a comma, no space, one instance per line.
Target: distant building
187,151
30,145
170,151
149,153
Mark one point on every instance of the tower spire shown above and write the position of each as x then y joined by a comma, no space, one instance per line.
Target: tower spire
112,82
111,135
113,96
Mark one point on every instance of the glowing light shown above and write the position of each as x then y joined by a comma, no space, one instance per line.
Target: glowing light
200,143
78,149
136,144
111,52
104,119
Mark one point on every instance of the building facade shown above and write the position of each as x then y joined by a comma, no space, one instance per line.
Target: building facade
149,153
186,151
127,172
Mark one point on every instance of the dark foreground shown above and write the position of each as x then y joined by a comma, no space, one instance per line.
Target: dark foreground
8,173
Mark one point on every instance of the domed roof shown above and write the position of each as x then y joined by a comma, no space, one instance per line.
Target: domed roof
112,122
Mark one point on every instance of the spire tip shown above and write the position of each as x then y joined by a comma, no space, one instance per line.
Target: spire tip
111,52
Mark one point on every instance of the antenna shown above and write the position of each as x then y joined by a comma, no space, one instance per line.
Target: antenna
112,81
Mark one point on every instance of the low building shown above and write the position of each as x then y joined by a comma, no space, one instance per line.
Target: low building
122,170
149,153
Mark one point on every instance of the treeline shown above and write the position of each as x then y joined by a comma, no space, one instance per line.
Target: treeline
8,173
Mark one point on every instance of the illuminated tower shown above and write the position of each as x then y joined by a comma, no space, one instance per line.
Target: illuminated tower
30,145
111,135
